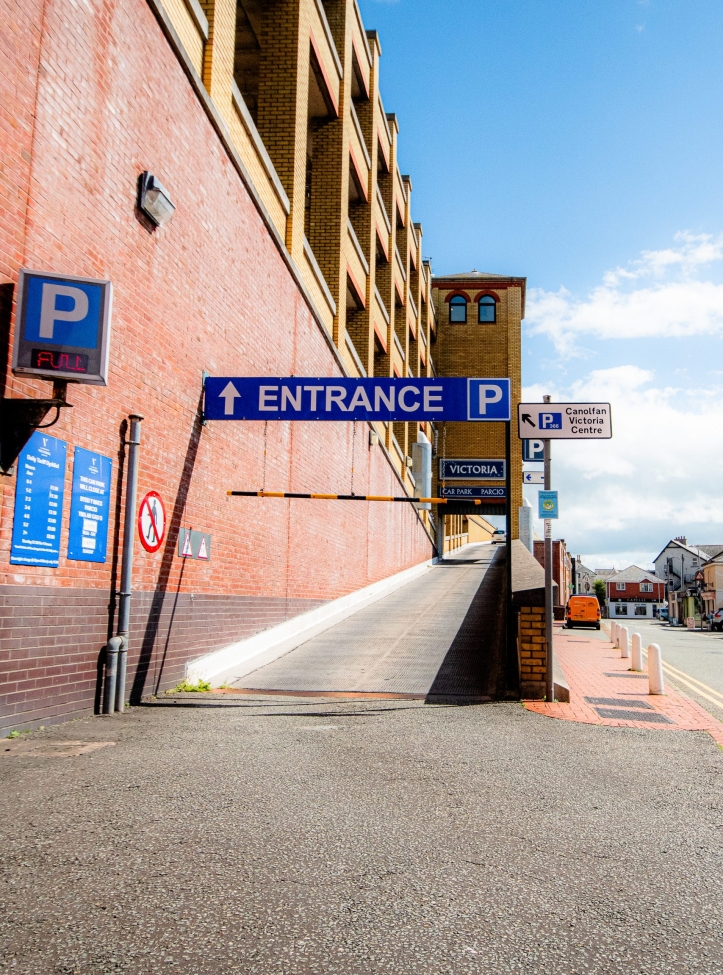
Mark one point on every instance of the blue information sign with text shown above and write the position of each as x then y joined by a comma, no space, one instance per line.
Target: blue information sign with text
88,534
39,502
244,398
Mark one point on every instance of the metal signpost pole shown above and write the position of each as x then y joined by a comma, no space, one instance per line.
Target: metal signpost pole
513,679
549,630
129,530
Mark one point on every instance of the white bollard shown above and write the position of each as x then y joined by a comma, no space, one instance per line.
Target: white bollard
637,652
656,684
614,627
624,645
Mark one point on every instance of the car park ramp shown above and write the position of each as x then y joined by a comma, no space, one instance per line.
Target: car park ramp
438,638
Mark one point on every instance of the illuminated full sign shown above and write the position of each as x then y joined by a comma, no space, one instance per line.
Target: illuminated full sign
63,327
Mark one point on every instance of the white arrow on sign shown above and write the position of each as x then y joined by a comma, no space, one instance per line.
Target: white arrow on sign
229,394
533,477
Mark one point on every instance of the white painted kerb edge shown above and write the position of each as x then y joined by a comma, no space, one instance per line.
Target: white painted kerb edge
239,659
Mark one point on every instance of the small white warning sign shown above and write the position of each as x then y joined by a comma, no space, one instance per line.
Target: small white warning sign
194,544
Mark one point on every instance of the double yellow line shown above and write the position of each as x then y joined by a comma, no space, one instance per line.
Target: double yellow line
680,677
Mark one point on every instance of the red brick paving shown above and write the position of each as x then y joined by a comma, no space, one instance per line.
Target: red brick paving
587,660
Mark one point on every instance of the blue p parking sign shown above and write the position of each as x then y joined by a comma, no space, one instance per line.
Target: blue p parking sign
63,326
550,421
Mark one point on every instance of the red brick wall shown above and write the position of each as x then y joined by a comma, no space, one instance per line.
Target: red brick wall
210,291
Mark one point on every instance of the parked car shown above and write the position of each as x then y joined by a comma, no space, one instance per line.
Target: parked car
663,614
582,611
498,535
716,620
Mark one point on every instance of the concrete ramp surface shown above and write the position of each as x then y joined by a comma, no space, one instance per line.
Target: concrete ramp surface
438,637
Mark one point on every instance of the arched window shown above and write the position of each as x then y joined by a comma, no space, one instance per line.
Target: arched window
487,309
458,309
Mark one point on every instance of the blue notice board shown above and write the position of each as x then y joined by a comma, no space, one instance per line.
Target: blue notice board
39,502
548,504
89,507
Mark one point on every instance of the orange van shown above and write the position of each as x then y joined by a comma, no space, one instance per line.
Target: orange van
582,611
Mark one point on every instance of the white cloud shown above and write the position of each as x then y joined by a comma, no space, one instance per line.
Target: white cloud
658,295
661,475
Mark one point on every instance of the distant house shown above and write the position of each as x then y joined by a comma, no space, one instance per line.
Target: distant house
679,562
634,592
584,578
712,591
605,574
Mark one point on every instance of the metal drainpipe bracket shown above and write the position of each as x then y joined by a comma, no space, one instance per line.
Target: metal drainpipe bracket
19,418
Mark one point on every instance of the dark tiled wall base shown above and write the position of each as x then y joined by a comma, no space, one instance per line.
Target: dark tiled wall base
51,643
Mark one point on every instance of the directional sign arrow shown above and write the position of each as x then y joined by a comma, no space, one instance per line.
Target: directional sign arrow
229,394
526,418
533,477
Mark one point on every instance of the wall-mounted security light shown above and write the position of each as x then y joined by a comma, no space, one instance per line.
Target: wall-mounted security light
153,199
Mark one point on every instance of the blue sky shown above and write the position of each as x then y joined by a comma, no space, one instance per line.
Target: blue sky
581,144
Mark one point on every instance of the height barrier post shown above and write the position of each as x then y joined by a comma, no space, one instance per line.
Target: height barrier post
549,629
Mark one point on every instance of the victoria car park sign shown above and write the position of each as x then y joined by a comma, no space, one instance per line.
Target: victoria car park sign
471,470
63,327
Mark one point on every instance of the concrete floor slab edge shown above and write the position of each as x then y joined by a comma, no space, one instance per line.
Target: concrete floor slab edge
242,658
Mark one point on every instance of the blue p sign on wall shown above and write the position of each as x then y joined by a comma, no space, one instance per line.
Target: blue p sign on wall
63,327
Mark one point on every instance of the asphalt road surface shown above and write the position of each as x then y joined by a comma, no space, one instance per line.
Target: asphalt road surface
689,653
279,837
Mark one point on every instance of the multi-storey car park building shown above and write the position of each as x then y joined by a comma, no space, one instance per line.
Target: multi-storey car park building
292,251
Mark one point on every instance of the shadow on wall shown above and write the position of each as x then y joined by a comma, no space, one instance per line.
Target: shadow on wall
475,667
6,305
154,615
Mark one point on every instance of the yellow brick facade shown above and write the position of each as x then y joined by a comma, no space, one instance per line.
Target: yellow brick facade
487,349
297,83
532,646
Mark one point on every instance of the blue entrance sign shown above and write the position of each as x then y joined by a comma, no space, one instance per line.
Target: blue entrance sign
244,398
460,491
89,506
39,502
471,470
63,327
533,450
548,504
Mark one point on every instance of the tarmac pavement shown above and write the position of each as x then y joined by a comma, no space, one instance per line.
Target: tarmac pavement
269,836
